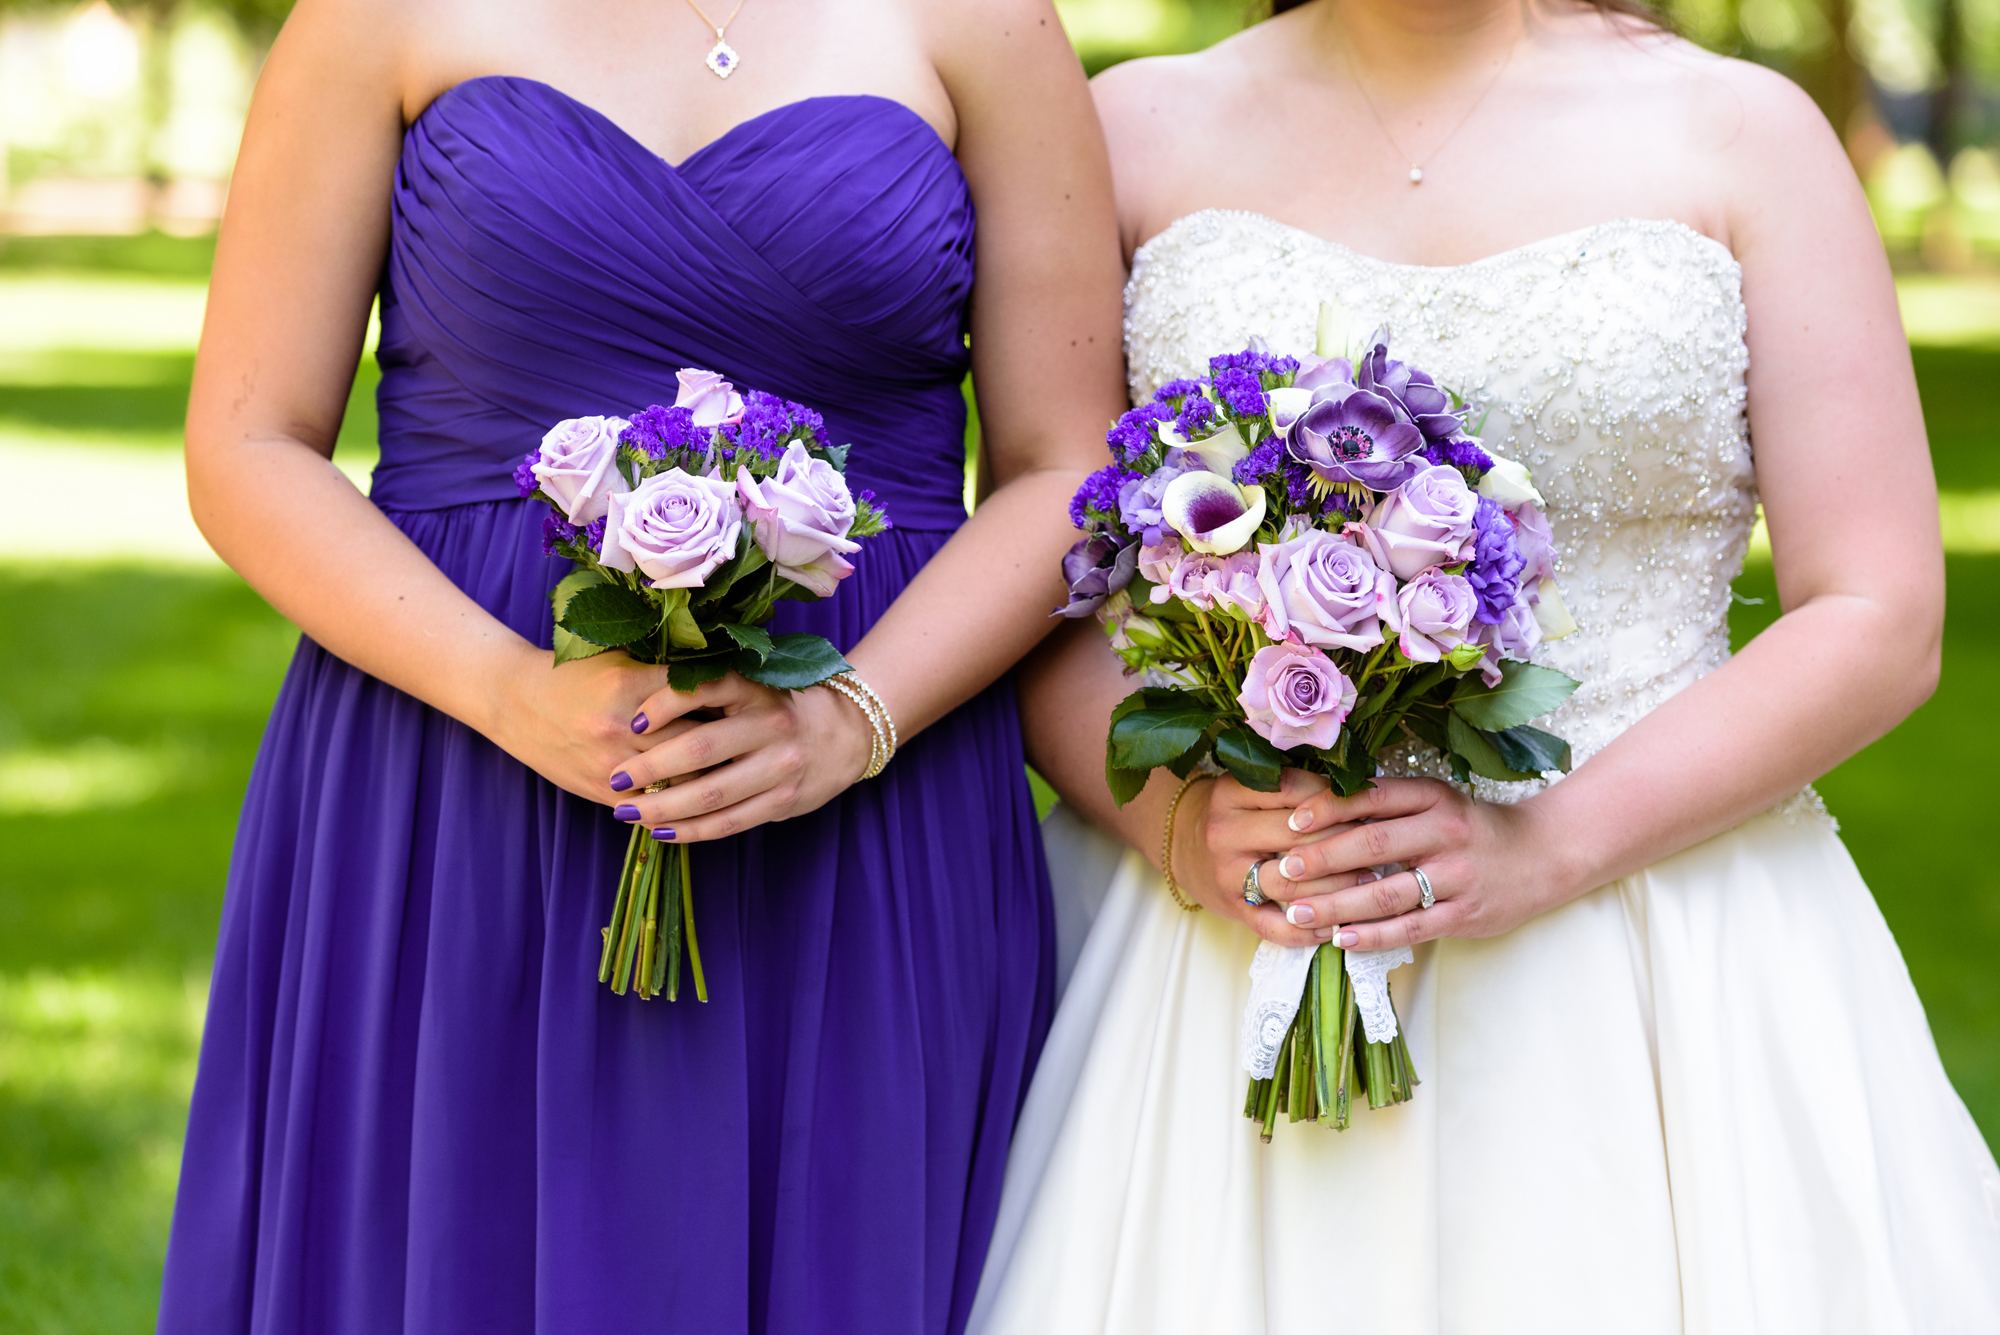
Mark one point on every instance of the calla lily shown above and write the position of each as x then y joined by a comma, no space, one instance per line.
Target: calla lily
1287,406
1211,513
1555,619
1219,452
1509,483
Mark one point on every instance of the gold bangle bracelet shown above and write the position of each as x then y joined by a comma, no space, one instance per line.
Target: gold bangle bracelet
881,727
1167,845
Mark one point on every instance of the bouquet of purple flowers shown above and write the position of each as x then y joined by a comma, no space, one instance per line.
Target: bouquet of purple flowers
688,524
1313,559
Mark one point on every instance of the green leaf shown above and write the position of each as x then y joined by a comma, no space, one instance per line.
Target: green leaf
1183,764
748,560
1148,737
1426,723
1525,692
1371,704
795,662
682,630
1125,784
1531,749
569,647
753,638
1479,753
685,674
1255,762
608,614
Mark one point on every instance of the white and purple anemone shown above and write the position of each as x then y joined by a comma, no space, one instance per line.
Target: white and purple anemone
1211,513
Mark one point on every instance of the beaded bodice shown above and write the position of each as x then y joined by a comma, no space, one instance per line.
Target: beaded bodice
1610,361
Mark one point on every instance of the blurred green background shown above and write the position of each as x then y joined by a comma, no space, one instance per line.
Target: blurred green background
134,684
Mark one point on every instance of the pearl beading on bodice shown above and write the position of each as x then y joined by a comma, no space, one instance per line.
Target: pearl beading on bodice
1610,361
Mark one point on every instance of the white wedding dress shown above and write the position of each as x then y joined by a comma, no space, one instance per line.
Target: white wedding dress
1703,1098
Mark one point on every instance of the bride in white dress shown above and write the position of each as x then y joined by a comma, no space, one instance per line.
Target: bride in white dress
1674,1075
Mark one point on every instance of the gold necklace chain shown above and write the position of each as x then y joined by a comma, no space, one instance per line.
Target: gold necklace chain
722,58
1416,167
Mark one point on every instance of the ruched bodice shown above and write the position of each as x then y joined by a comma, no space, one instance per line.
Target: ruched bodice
1611,361
544,264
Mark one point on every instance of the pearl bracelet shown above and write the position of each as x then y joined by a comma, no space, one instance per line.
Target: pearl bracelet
882,726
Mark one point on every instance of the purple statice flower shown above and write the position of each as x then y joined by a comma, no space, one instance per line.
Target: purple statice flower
866,497
1197,417
557,530
525,480
1260,463
593,535
1137,431
1240,391
659,433
1255,360
1495,568
1174,391
1096,501
1458,452
1271,464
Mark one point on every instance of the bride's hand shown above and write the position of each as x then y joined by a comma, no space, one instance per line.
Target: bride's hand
1490,866
1221,829
569,723
770,755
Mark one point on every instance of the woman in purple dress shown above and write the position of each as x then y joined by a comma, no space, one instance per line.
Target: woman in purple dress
417,1109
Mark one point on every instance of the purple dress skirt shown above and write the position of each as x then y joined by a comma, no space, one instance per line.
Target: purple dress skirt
417,1109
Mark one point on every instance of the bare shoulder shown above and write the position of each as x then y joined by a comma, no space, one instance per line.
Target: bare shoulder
988,31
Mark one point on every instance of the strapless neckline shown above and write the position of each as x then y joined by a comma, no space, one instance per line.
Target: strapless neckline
874,101
1559,240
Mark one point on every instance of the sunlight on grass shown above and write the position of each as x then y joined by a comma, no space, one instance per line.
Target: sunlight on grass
1969,520
122,314
1948,310
94,773
95,1070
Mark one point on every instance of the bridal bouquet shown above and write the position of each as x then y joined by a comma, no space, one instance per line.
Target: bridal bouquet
1312,559
688,524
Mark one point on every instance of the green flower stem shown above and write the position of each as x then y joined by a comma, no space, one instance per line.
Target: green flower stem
687,906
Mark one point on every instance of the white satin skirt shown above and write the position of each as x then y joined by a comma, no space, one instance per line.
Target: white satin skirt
1701,1099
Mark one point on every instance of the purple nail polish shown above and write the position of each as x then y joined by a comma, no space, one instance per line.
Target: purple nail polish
664,835
628,813
620,781
639,723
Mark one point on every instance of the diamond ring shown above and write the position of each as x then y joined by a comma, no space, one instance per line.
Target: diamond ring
1426,898
1253,888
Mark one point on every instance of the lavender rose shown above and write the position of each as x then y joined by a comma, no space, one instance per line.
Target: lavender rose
1513,637
1436,612
1426,522
1157,561
1537,544
1321,589
712,400
1293,695
1094,569
801,515
577,466
674,528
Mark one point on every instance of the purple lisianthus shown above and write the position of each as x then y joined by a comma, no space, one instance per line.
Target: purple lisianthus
1293,695
673,527
1426,522
1139,502
1094,569
577,466
1495,569
1351,435
1226,582
1321,589
1157,562
1435,611
1536,542
1514,636
1415,393
662,433
1240,392
802,514
1097,500
1137,431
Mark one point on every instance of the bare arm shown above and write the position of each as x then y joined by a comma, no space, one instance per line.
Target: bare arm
1046,359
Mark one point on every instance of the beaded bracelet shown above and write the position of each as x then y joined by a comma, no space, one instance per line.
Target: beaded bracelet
881,724
1167,845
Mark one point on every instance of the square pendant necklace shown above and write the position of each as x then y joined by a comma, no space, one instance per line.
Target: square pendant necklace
722,58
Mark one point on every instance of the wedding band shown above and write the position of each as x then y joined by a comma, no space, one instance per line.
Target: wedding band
1253,888
1426,899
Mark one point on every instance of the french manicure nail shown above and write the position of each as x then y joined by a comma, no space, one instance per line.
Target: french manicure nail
625,812
1298,915
620,781
1347,939
663,834
1301,821
639,723
1323,934
1290,868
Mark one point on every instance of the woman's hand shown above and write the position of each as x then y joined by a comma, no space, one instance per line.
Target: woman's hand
770,755
571,724
1222,828
1490,865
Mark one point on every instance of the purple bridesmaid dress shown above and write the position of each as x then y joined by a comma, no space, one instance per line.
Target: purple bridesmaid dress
417,1110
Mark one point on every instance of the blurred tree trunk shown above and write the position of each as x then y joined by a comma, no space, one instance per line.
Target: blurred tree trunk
1951,98
1832,75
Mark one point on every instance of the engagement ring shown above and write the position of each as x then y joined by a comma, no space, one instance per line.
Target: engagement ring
1253,888
1423,884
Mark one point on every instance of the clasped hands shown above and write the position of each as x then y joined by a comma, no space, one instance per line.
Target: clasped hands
1488,863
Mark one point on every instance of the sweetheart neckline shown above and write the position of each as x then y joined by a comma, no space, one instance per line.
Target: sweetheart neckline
1511,253
626,136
